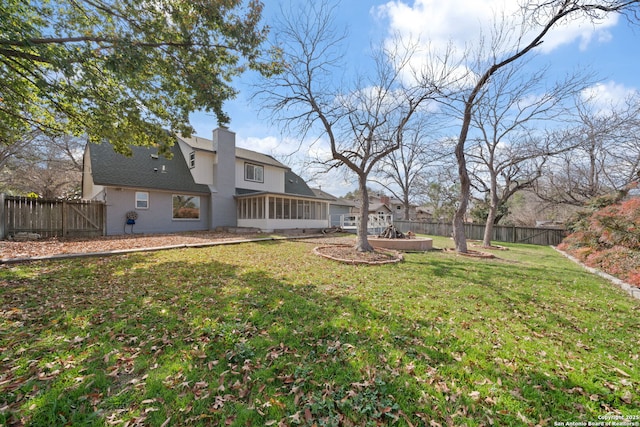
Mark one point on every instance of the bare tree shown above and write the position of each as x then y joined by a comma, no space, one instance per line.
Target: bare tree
363,123
508,154
606,156
405,172
49,166
510,44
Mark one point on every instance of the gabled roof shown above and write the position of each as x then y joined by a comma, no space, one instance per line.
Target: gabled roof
144,169
254,156
374,207
198,143
323,194
293,184
345,202
204,144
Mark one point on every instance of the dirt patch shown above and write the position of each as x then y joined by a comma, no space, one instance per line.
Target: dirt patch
492,247
471,253
349,255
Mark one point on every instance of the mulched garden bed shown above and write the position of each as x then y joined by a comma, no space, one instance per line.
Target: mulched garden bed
349,255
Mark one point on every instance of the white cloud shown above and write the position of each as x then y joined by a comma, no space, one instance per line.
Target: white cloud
606,96
463,22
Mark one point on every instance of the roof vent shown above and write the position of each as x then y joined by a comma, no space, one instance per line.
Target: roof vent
154,156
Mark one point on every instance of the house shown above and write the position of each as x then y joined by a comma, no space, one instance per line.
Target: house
207,184
378,205
339,208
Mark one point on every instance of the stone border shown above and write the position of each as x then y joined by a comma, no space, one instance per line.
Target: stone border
317,250
631,290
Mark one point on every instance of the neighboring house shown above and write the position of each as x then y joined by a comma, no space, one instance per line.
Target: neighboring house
379,205
208,183
339,208
396,207
423,213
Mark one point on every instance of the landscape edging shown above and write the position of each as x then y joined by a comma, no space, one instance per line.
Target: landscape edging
631,290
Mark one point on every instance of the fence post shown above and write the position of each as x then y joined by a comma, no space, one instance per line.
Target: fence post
64,218
3,218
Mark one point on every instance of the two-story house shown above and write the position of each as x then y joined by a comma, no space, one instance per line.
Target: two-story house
207,184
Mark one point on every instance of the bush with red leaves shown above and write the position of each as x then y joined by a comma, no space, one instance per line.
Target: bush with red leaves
608,238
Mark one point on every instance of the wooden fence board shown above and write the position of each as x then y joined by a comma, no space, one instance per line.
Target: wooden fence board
531,235
51,218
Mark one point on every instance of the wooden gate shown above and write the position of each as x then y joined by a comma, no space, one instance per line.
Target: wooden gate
50,218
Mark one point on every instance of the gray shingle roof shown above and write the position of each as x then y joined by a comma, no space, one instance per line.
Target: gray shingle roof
144,169
293,184
323,194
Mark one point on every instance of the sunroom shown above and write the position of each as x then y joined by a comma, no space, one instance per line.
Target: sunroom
273,211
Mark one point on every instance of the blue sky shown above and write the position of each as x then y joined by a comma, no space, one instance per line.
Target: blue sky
609,49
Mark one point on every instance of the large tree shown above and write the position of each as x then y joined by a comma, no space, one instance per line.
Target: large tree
364,122
508,45
405,172
123,71
511,146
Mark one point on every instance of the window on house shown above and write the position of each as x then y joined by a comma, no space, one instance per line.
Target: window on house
142,200
253,172
192,159
186,207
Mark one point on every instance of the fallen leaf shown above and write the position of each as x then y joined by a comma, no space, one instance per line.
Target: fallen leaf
621,372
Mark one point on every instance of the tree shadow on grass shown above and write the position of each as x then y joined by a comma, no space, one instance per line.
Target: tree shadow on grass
144,340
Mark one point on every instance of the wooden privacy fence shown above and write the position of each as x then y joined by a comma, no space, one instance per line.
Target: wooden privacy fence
50,218
501,233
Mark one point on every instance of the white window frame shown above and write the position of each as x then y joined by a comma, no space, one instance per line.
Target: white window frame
142,200
192,160
254,168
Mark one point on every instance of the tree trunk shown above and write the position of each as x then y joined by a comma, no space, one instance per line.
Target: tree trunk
493,212
362,243
459,237
407,207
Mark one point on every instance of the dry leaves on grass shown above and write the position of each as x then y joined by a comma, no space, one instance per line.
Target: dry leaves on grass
58,246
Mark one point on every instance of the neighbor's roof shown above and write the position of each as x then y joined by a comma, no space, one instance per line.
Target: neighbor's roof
204,144
377,206
345,202
144,169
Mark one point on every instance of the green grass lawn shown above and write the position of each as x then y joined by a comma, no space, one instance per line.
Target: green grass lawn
270,334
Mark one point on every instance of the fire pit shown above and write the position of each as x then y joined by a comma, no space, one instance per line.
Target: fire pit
392,238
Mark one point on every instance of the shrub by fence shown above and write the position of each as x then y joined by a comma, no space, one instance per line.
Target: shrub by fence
501,233
50,218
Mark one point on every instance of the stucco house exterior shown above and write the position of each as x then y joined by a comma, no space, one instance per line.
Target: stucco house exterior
207,184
